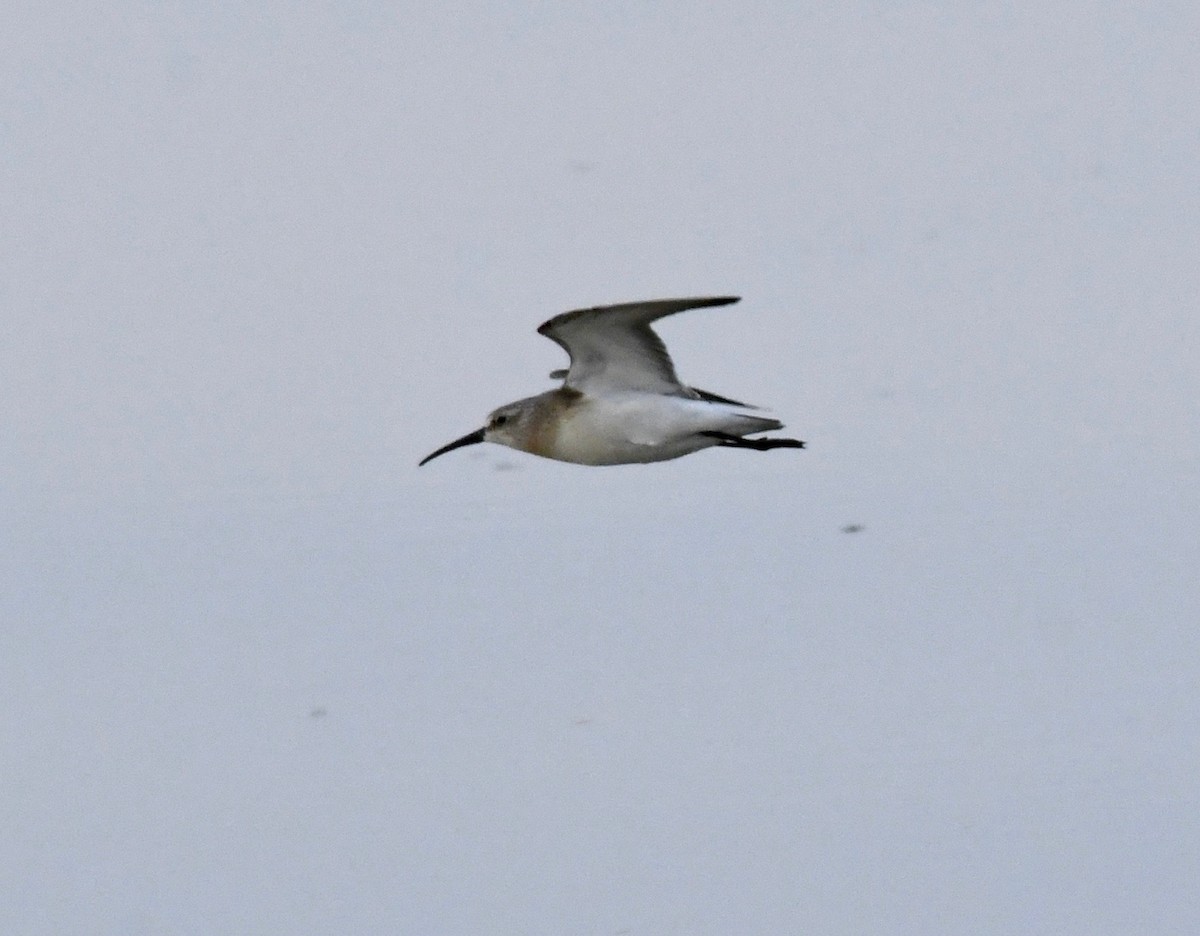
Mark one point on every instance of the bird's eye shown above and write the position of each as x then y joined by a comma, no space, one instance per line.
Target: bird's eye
499,420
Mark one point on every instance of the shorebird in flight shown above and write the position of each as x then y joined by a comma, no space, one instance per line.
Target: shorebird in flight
620,402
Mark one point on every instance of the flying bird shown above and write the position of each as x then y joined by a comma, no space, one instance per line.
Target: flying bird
620,401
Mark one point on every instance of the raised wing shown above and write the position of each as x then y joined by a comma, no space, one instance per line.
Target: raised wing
614,348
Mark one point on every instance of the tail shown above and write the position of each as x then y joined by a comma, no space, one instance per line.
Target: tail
740,424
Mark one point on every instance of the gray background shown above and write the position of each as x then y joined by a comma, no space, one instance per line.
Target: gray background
259,674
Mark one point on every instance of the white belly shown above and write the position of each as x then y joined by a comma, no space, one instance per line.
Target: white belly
640,427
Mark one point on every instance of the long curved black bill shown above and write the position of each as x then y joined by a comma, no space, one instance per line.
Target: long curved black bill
470,438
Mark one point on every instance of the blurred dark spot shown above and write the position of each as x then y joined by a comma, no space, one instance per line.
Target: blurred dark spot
318,712
853,528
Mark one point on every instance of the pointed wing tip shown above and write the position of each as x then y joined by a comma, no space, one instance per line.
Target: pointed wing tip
700,302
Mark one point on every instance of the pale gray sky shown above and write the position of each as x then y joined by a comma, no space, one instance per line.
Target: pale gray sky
260,674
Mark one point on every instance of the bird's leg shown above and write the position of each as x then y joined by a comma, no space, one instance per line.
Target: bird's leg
759,445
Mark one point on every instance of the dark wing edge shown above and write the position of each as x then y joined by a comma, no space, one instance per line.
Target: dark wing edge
670,307
717,398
